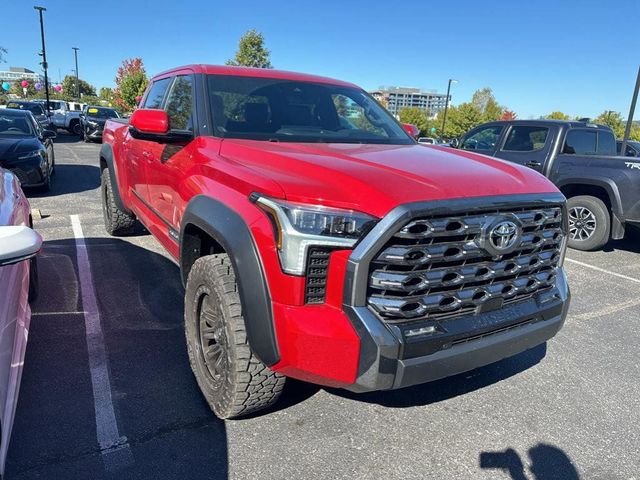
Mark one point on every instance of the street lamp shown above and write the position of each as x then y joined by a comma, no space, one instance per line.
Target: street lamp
44,58
446,105
75,52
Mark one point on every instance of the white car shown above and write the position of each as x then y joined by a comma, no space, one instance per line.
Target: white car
18,284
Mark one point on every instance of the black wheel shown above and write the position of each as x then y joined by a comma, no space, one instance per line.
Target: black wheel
233,381
53,161
589,223
117,222
76,128
46,177
33,279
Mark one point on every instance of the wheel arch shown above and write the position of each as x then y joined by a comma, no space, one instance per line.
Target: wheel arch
209,226
603,188
107,162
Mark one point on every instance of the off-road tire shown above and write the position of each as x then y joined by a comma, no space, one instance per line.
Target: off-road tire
241,384
75,128
600,236
117,222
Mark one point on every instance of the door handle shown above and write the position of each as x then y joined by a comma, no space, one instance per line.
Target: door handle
533,164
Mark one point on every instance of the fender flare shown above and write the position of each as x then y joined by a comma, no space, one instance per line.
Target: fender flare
617,222
106,153
231,232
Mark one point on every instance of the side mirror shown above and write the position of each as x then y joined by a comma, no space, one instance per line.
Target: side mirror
153,125
48,134
411,129
18,244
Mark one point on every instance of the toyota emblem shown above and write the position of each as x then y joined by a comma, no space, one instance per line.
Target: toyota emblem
504,235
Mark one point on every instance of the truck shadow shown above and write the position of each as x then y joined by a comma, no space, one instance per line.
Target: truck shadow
630,243
433,392
63,136
547,463
159,409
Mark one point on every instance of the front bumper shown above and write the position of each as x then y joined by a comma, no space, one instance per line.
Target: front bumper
94,132
30,172
389,360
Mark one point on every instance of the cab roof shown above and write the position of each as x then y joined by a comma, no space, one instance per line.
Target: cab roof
253,72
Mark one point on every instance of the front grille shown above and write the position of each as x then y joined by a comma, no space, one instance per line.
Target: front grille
437,267
316,275
23,178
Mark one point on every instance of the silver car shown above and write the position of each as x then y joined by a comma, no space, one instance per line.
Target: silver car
18,284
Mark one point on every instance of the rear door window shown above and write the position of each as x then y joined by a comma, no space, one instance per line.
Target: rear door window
580,142
156,93
606,144
523,138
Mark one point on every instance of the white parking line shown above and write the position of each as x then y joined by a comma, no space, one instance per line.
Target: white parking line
602,270
116,452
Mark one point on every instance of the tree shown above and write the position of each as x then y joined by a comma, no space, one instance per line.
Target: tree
18,89
557,116
251,51
613,120
3,52
486,103
508,115
414,116
106,94
69,87
131,82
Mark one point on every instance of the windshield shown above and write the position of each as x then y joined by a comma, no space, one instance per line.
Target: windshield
291,111
101,112
31,107
15,125
53,105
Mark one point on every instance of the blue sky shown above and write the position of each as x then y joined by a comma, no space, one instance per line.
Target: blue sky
579,56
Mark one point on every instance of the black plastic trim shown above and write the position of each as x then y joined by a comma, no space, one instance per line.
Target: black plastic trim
106,153
228,228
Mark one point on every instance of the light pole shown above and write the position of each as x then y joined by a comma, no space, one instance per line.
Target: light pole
75,52
446,105
627,130
44,58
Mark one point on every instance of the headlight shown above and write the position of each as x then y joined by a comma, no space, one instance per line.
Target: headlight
299,226
29,155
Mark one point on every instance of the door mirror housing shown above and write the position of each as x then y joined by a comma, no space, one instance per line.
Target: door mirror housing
411,129
48,134
18,243
154,126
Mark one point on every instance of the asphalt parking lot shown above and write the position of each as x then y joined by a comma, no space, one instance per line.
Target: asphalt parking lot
566,410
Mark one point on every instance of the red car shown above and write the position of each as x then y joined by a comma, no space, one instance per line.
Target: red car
18,284
317,240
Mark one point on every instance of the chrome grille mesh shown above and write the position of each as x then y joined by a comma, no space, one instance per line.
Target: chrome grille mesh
438,267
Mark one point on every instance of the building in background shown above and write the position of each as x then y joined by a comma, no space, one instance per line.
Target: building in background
19,73
397,98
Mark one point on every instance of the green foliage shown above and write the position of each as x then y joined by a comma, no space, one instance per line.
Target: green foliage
17,89
484,101
557,116
69,87
106,94
251,51
415,116
613,120
131,82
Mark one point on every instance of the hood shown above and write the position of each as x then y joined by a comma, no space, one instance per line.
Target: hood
99,121
10,147
376,178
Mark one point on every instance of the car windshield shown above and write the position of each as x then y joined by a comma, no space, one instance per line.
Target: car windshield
292,111
15,125
101,112
31,107
53,105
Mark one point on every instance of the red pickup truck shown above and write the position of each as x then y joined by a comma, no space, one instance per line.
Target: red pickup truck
317,240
